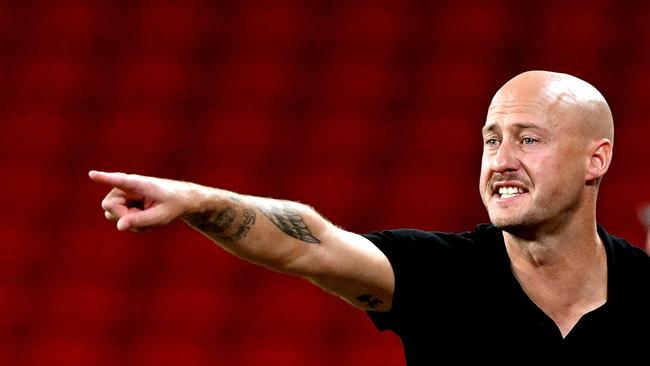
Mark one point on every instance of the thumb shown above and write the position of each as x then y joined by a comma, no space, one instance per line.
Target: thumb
154,216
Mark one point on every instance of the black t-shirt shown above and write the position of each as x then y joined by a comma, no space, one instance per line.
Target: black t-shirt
455,296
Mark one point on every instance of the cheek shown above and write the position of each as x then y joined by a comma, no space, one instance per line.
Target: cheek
557,173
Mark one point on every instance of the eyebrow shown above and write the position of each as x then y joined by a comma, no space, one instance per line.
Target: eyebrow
492,126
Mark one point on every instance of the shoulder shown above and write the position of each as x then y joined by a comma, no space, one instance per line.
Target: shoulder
629,270
623,254
421,240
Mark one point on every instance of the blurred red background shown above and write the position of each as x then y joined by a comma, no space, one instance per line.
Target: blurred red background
369,111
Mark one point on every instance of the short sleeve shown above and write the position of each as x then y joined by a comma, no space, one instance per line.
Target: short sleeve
415,256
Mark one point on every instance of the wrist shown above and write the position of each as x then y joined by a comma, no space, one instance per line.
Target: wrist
201,199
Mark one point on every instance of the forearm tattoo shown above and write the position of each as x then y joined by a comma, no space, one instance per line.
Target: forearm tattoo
289,221
370,300
229,224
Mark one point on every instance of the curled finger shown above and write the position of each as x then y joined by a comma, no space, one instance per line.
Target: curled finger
111,216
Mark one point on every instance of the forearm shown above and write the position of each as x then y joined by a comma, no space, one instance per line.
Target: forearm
278,234
285,236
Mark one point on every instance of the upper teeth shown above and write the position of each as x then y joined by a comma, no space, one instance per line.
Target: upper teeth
509,191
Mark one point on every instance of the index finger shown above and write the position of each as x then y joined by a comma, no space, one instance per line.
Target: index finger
119,180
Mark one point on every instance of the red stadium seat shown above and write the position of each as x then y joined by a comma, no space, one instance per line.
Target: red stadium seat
168,28
98,253
83,310
54,350
168,352
19,253
48,81
191,312
269,26
149,81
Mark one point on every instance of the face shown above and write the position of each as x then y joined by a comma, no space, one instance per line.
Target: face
532,171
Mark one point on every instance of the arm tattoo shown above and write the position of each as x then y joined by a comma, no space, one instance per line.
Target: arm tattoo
247,222
370,300
228,225
289,221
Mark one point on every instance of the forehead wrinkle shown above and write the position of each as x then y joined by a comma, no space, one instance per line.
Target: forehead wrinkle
517,126
511,106
498,109
489,127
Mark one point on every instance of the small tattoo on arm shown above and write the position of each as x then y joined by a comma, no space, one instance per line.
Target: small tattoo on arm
221,225
289,221
247,222
215,222
370,300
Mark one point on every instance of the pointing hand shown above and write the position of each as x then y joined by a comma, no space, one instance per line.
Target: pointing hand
138,202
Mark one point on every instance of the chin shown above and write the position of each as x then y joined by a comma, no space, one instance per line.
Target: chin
505,225
520,228
509,223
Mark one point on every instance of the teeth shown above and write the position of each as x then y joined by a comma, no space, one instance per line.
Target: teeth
507,192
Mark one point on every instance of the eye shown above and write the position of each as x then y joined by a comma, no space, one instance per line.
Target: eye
528,140
491,142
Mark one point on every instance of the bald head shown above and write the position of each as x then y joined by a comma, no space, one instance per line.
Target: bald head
572,103
547,145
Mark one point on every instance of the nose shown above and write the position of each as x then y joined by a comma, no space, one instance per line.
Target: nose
505,158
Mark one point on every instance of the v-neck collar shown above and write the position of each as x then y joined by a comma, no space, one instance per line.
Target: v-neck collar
542,318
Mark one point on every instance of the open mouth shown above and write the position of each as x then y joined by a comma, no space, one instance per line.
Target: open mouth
508,190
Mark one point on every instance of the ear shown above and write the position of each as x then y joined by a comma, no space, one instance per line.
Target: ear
600,156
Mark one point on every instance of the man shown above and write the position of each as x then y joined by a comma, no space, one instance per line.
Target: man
543,279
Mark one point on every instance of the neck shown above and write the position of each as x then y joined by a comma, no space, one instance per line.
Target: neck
572,236
548,248
563,271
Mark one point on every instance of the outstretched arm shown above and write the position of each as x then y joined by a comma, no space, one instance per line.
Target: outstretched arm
282,235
